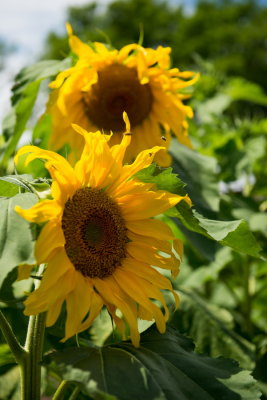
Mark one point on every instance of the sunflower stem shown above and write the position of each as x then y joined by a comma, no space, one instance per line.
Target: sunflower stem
31,367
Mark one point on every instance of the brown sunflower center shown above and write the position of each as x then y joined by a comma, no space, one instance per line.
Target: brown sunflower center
118,89
95,233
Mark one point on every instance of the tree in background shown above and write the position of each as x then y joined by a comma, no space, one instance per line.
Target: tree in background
231,34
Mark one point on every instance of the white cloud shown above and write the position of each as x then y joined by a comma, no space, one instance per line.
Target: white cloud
26,23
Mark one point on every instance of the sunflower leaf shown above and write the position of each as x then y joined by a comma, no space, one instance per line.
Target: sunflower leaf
163,178
235,234
164,367
210,326
9,185
199,174
25,91
16,244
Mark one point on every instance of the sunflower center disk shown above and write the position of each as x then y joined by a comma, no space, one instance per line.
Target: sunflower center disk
118,89
95,233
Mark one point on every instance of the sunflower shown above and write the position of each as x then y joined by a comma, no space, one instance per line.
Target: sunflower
104,83
99,239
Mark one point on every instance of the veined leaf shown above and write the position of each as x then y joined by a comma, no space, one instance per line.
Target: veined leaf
210,327
16,244
198,172
20,181
165,367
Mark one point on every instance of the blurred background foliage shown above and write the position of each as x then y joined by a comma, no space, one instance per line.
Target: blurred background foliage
223,291
230,33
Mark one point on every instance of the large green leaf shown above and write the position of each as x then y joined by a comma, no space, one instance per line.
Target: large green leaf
211,328
198,172
165,367
25,91
16,243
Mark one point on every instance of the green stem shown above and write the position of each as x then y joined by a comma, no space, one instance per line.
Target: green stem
17,350
61,390
31,368
75,393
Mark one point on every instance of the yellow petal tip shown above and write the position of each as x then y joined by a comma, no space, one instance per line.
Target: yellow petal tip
69,29
127,122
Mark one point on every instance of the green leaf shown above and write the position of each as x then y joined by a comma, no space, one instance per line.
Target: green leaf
21,181
242,89
163,178
10,384
198,172
235,234
25,91
211,328
215,106
6,289
7,189
6,357
16,244
165,367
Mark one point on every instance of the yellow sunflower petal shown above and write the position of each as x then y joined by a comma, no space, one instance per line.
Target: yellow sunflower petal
150,227
24,271
96,306
78,304
146,254
58,167
41,300
109,290
149,204
50,238
140,293
40,212
53,312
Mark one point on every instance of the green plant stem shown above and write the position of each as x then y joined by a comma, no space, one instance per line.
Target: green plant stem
61,390
18,351
75,393
31,367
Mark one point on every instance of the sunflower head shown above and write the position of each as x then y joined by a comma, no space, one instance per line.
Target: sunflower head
100,241
104,83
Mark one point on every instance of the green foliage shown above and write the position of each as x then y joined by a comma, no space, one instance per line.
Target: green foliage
164,367
223,277
235,234
211,327
16,244
25,91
